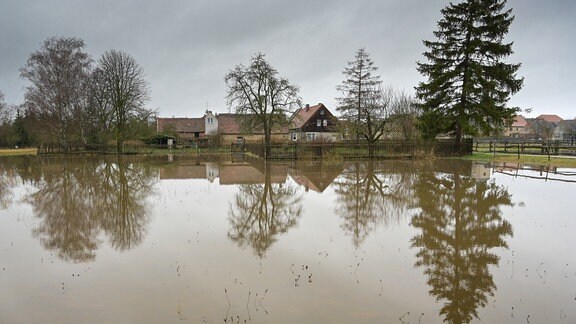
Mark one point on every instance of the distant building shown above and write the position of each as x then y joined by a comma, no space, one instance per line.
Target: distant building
314,124
550,118
565,131
518,128
224,128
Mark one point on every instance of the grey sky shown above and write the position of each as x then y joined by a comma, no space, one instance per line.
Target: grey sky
186,47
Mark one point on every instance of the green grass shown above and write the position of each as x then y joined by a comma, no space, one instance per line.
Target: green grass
556,161
19,151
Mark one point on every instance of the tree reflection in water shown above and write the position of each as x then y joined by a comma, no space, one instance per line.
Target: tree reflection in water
7,183
370,195
460,220
79,198
261,211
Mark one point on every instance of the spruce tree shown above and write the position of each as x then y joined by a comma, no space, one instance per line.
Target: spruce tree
469,81
361,93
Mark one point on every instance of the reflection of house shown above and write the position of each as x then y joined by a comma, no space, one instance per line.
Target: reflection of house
315,176
314,123
227,126
183,171
481,171
227,174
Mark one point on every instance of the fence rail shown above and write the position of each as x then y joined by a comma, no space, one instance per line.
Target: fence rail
558,148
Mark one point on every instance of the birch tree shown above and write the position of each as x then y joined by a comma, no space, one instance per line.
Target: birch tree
56,96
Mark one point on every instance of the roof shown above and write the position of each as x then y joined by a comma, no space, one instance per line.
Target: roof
550,118
302,115
181,125
229,123
232,124
519,121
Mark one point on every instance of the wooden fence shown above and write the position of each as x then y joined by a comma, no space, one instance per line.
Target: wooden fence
349,151
548,148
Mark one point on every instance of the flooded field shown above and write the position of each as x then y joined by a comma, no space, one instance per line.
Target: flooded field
127,240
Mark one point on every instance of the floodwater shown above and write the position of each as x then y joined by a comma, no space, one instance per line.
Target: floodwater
128,240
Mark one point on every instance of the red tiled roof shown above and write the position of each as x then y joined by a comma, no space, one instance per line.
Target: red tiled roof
550,118
232,124
181,125
519,121
229,123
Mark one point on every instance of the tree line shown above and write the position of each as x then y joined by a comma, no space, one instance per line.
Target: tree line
72,99
468,83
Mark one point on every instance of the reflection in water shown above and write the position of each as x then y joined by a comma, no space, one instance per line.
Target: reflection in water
460,220
369,195
7,182
78,198
261,211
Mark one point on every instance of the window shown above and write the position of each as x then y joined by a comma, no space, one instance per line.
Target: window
325,122
294,136
318,122
210,120
322,112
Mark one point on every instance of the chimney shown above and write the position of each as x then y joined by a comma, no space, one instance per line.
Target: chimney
307,107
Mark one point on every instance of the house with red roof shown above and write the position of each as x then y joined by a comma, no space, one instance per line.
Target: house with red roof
518,129
550,118
314,124
224,128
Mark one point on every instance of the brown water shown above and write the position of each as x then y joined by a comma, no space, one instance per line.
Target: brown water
108,240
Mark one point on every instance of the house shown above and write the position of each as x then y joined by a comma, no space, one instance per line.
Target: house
543,127
189,129
231,130
518,129
565,131
314,123
224,128
550,118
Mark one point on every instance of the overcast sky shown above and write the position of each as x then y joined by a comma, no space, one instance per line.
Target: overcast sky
187,47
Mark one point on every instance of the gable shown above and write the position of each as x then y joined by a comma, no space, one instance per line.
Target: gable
309,114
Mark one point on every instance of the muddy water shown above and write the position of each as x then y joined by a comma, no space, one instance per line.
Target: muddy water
128,240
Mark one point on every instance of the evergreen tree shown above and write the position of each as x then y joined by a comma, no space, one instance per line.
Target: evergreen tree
361,90
469,82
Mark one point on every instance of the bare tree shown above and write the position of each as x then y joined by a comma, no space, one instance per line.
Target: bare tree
58,74
5,111
405,113
101,109
261,95
123,92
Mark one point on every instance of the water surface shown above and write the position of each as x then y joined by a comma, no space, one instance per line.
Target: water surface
133,240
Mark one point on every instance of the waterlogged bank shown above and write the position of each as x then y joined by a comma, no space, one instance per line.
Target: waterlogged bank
131,240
